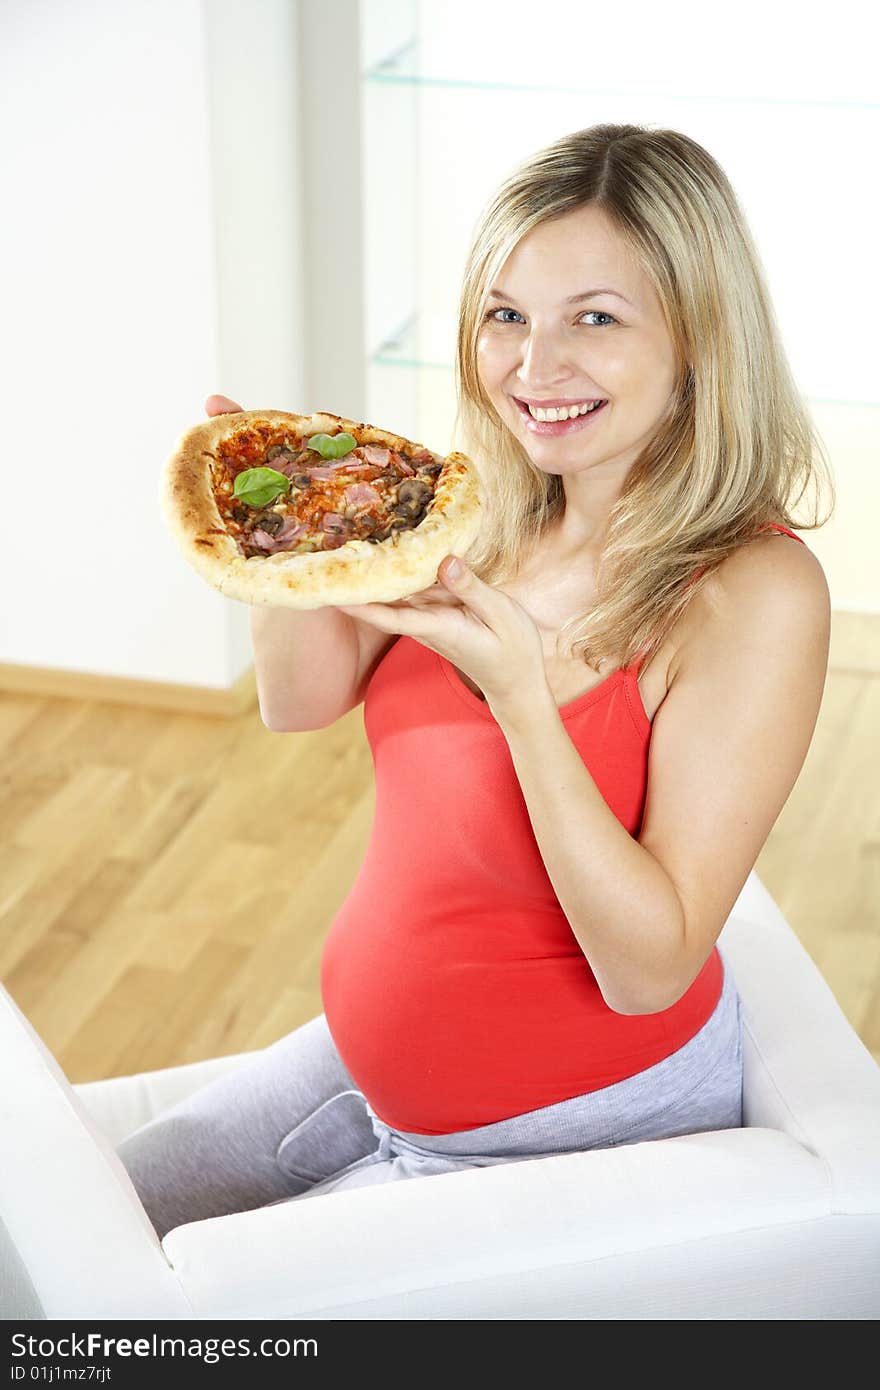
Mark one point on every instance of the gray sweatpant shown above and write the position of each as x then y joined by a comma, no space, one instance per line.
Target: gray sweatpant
292,1124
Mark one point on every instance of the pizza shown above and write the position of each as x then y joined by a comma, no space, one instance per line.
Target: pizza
303,511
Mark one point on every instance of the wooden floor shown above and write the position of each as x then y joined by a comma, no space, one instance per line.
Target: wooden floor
168,879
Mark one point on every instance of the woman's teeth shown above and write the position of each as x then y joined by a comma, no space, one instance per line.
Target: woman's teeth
562,412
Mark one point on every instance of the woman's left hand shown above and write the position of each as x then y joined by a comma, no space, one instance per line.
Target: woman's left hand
487,635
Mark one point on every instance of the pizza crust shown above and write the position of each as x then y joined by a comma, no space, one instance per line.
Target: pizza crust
358,571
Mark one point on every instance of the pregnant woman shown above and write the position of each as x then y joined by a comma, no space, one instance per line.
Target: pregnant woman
582,735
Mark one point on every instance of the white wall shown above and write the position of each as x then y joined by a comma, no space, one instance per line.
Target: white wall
785,96
149,256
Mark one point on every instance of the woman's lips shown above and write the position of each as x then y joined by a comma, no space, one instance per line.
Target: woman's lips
552,427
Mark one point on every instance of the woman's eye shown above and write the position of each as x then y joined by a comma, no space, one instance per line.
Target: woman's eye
493,314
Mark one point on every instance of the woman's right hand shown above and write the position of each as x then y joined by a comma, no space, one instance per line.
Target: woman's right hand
221,405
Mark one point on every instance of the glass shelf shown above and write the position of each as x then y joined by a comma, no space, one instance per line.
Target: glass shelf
401,68
422,343
425,95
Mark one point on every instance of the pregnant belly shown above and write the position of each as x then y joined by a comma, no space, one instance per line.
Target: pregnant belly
446,1026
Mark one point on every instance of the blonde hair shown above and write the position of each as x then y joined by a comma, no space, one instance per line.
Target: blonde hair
737,443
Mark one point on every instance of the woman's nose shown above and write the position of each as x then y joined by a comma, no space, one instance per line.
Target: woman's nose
544,356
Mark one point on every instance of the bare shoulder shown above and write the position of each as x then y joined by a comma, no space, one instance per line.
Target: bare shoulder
769,597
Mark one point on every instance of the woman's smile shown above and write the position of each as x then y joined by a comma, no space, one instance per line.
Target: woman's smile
552,426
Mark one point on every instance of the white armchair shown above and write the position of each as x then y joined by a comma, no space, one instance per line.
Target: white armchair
777,1220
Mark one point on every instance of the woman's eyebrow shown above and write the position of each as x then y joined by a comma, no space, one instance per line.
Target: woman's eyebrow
574,299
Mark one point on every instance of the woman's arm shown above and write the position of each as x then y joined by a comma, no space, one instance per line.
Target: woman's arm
727,746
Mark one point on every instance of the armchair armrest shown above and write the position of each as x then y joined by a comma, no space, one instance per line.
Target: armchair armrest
806,1072
461,1238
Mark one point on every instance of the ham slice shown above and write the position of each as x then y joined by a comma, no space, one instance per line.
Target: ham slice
290,531
374,453
361,494
289,466
331,469
262,539
400,462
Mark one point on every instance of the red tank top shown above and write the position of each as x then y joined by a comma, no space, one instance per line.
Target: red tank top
452,983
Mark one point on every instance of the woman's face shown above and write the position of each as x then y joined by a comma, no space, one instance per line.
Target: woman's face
546,343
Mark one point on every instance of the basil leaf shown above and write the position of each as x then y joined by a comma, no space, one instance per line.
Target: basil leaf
332,446
259,486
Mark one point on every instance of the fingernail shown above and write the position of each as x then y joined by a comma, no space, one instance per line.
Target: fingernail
454,570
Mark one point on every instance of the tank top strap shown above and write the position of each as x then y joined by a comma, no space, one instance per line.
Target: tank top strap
635,666
768,526
777,526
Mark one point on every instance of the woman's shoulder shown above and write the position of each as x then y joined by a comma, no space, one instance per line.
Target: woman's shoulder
773,568
772,589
